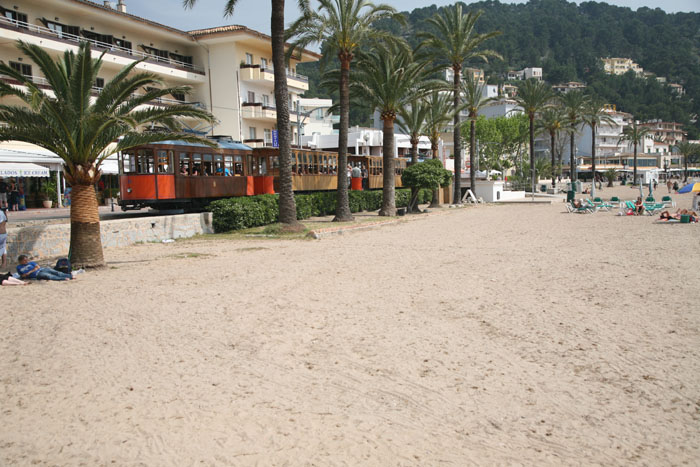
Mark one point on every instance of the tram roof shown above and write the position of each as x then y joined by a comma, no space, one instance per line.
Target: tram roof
221,144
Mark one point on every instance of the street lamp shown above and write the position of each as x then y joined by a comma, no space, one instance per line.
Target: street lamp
666,166
624,170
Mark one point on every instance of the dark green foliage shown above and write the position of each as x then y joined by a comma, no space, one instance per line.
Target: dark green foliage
429,174
253,211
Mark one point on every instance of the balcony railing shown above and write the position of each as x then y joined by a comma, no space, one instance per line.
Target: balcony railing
43,83
114,49
290,74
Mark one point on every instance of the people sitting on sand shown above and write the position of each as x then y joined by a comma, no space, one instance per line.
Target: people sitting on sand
9,279
30,270
639,206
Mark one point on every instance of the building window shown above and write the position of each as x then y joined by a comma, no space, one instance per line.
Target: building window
22,68
248,59
15,16
251,133
266,100
99,83
251,97
263,63
268,136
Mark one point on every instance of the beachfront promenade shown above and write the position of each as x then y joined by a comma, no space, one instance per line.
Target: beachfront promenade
478,336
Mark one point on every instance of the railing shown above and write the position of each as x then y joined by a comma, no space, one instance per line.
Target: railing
42,31
290,73
43,82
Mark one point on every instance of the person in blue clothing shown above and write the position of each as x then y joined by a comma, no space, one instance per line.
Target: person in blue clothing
30,270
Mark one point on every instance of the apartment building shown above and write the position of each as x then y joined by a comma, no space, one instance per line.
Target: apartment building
205,60
670,133
476,74
620,66
524,74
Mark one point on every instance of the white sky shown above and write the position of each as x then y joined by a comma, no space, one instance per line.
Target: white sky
255,14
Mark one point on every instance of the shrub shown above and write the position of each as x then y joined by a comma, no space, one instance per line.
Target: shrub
306,206
244,212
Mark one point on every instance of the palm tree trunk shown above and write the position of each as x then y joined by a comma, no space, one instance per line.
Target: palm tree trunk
634,173
552,136
342,210
414,150
435,202
85,238
685,172
593,159
457,141
572,141
472,153
532,152
287,206
388,175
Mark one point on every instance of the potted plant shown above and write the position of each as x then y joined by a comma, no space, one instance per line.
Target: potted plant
48,193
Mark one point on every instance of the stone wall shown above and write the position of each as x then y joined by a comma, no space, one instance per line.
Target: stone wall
50,240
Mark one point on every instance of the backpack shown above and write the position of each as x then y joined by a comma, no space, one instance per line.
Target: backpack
63,265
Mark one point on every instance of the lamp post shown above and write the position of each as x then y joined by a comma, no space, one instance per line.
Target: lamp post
666,166
624,170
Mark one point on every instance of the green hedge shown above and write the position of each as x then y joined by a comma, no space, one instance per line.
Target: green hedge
253,211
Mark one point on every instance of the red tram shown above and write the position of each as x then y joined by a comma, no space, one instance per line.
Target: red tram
177,174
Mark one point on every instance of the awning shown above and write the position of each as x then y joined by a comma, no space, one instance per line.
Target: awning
24,169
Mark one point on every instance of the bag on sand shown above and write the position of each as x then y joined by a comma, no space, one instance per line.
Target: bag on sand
63,265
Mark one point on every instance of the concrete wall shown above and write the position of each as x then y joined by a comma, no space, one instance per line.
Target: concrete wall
47,240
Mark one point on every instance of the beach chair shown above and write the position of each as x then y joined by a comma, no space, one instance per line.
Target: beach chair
653,208
627,206
668,202
601,204
573,209
650,199
615,201
591,205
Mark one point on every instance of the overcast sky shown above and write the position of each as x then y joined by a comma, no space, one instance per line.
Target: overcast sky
255,14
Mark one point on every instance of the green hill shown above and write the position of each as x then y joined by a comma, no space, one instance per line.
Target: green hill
568,40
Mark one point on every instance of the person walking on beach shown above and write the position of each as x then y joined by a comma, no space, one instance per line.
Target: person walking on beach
669,185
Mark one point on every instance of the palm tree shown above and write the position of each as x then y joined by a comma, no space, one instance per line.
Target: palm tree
573,102
551,121
688,150
412,118
287,205
534,96
455,40
439,115
387,79
474,101
80,130
635,135
594,115
342,26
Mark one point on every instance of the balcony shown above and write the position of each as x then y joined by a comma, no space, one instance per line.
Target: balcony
42,83
71,39
257,73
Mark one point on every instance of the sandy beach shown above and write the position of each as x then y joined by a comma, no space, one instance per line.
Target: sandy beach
489,335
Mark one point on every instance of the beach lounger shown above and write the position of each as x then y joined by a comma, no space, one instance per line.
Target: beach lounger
653,208
582,210
615,202
668,202
598,202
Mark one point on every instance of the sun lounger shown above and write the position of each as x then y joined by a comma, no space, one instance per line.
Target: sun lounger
600,204
653,208
615,201
668,202
582,210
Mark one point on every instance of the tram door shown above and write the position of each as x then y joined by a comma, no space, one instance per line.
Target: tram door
259,170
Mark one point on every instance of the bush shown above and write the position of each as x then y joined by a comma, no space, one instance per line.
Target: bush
244,212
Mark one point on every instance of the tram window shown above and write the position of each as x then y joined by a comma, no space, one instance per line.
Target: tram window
184,164
218,164
274,166
294,163
207,168
196,164
263,166
228,165
163,162
238,165
145,161
129,162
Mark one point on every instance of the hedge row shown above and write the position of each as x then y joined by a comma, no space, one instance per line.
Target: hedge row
253,211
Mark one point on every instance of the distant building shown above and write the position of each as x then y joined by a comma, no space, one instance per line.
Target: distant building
366,141
525,73
620,66
570,86
668,132
677,88
476,74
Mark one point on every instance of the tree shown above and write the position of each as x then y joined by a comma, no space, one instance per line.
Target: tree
594,115
551,121
573,103
81,130
287,205
688,151
429,174
438,117
474,101
412,118
455,39
634,134
341,26
534,96
388,78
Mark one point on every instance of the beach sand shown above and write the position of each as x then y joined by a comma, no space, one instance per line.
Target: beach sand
489,335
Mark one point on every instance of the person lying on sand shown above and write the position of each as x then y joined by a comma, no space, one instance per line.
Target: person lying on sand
30,270
9,279
666,216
